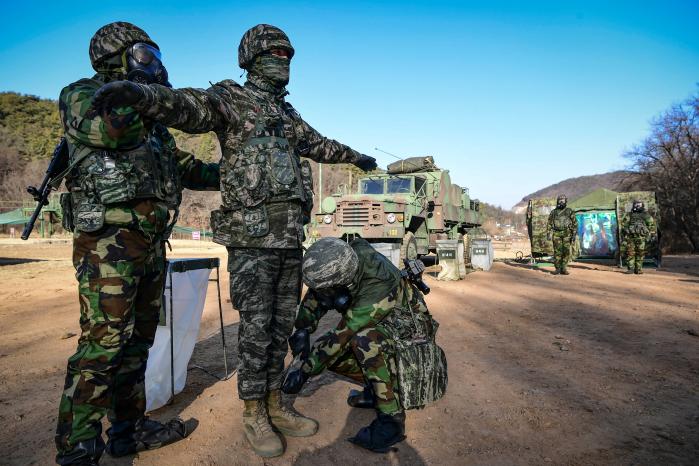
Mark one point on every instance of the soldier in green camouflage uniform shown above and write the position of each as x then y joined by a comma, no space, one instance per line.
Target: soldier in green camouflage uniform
126,176
267,194
366,288
638,229
562,227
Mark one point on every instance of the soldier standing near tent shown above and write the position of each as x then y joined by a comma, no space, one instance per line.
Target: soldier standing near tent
125,176
637,230
562,227
382,314
267,195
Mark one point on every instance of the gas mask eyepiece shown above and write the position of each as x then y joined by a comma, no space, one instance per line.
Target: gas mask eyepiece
143,64
338,298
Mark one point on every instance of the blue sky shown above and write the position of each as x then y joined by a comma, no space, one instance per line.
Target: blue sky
510,96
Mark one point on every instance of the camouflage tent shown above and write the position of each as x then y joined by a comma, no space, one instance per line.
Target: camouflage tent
597,236
600,215
538,212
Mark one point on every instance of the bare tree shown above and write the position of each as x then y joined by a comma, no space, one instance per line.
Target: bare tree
668,162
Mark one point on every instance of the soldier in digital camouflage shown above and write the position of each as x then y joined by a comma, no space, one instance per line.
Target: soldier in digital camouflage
366,288
267,195
562,227
125,179
637,231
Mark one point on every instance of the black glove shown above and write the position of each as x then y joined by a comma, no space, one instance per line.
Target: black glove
300,343
294,381
366,163
117,94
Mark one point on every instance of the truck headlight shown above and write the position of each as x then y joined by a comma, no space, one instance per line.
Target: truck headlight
327,219
391,218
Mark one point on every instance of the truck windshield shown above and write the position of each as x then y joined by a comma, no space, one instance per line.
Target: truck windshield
398,186
371,186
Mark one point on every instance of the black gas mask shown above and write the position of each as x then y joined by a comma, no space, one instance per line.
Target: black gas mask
143,64
561,202
337,297
637,206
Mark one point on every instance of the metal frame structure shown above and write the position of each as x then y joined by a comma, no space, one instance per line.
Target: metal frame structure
183,265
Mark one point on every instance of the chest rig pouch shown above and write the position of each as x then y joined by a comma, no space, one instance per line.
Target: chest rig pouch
637,226
102,178
561,220
266,170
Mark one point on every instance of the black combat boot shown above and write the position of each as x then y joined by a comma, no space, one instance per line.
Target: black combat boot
128,437
85,453
384,431
364,399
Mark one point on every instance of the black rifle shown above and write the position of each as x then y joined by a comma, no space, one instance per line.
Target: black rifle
57,165
413,272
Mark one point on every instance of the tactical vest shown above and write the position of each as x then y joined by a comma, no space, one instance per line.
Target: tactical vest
637,226
561,219
266,170
101,178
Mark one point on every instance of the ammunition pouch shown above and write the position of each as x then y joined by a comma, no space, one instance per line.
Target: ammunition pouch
67,221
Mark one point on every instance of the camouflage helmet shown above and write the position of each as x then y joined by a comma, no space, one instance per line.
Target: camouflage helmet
259,39
329,262
113,38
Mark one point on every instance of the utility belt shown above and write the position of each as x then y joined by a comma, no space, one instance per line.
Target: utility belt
241,226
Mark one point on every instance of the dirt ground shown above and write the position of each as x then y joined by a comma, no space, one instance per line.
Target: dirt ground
592,368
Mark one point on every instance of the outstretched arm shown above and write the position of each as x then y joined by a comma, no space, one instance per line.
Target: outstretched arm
326,150
188,109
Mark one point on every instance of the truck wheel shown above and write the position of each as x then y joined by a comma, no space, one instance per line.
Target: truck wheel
408,248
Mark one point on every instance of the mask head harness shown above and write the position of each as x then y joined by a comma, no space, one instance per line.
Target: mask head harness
143,64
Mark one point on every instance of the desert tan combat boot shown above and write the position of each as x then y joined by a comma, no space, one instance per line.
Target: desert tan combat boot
258,430
286,421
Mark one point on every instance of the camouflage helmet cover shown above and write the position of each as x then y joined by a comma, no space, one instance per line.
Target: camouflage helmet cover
329,262
113,38
259,39
561,197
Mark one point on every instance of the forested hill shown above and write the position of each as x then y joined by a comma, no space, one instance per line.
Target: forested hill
576,187
30,129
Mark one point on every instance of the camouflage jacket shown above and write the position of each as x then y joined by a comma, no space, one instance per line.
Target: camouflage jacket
379,289
266,189
125,131
639,225
562,221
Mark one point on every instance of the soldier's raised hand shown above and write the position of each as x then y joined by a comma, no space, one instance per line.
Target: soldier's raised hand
366,163
117,94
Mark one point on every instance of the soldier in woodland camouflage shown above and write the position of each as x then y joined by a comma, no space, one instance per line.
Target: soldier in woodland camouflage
367,290
267,197
562,228
637,230
125,180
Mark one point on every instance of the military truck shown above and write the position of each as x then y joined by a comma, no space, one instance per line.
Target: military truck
413,204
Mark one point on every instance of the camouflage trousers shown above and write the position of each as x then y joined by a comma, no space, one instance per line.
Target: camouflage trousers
120,276
265,288
635,252
365,361
561,250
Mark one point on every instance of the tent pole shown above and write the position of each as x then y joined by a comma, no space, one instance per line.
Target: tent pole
172,341
220,315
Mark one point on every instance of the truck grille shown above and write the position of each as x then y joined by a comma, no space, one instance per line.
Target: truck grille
355,215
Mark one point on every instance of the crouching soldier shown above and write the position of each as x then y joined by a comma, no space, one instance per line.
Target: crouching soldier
384,341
